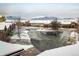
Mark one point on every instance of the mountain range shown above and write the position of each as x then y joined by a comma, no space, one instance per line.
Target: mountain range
36,18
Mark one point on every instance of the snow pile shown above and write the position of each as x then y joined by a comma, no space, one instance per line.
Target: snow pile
71,50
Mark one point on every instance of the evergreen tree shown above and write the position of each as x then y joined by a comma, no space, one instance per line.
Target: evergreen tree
5,28
55,25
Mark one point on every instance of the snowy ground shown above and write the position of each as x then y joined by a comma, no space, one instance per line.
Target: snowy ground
68,50
23,39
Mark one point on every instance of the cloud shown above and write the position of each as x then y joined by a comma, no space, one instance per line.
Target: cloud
40,11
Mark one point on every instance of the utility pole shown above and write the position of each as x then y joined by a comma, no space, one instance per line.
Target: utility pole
18,27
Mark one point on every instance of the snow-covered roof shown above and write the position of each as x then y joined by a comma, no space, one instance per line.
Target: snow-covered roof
71,50
66,21
8,48
10,21
45,30
23,27
41,21
3,24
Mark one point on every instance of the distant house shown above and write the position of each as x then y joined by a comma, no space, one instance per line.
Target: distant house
68,23
78,25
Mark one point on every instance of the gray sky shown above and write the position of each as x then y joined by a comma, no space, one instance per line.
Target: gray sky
40,9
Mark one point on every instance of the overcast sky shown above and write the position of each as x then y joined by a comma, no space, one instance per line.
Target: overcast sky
43,9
